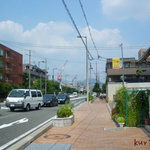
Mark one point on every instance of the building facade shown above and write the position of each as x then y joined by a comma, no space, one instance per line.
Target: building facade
136,74
36,72
10,66
132,70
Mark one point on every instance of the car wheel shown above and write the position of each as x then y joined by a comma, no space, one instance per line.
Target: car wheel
39,107
28,107
12,109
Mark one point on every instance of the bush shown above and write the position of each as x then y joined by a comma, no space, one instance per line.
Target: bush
115,116
113,111
120,120
65,111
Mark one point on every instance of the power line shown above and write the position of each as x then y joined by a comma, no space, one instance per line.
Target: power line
89,29
76,28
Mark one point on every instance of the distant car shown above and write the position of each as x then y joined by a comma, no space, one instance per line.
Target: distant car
63,98
71,96
50,100
75,94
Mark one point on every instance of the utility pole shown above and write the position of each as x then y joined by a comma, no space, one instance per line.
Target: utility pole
90,77
45,75
121,45
29,69
87,76
96,74
53,74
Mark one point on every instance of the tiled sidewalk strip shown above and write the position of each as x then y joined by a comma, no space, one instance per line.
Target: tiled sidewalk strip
93,129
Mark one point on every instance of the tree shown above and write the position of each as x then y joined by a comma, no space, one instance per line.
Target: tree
104,87
97,88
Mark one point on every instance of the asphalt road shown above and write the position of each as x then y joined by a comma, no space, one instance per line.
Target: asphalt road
14,124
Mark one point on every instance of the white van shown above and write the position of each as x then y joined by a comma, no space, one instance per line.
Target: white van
24,98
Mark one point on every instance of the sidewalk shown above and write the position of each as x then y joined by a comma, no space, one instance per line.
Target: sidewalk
93,129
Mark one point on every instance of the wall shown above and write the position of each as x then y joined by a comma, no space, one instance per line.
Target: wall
113,87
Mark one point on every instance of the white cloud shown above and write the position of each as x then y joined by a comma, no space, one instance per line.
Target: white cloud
51,33
105,37
56,34
126,9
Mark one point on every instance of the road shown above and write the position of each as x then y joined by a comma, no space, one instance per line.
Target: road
14,124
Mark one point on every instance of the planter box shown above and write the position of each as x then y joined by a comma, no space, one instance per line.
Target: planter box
121,124
61,122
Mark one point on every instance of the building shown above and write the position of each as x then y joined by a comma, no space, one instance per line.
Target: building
36,72
136,73
10,66
132,68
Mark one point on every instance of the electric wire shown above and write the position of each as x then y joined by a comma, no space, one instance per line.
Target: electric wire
81,5
76,28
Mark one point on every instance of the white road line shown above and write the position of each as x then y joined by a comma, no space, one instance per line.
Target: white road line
13,123
4,108
24,135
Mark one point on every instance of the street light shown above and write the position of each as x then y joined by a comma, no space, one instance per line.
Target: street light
87,81
45,74
53,73
40,72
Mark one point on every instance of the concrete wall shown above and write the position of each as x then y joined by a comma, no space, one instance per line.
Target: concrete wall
113,87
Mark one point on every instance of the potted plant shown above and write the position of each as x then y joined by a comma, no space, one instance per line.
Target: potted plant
65,116
121,121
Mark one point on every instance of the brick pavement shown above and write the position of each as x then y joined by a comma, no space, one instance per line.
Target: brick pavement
93,129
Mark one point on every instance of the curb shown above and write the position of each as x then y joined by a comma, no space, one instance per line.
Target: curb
20,145
26,141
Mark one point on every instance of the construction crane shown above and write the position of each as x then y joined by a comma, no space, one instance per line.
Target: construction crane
59,77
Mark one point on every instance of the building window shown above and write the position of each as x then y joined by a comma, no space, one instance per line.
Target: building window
7,54
142,65
109,65
1,52
6,78
7,66
1,64
126,64
1,76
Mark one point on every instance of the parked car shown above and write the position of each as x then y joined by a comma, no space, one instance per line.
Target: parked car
63,98
24,98
50,100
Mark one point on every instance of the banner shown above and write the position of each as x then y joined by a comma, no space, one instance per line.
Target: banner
116,63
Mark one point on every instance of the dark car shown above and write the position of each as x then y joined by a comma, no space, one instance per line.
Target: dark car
63,98
50,100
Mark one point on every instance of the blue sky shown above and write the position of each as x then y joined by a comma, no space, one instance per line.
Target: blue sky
44,27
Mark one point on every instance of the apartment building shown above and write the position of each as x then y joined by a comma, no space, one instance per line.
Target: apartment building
10,66
36,72
136,73
132,68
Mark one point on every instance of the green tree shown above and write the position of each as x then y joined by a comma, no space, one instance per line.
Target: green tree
104,87
97,88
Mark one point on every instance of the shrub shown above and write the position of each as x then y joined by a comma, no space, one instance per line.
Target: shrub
113,111
120,120
65,111
115,116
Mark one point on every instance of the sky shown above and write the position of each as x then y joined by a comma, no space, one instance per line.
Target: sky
44,27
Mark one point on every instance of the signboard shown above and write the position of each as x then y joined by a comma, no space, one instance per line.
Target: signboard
116,63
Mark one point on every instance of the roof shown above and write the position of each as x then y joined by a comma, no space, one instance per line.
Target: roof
145,56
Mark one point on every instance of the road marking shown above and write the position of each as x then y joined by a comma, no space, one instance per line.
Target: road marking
13,123
4,108
25,134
